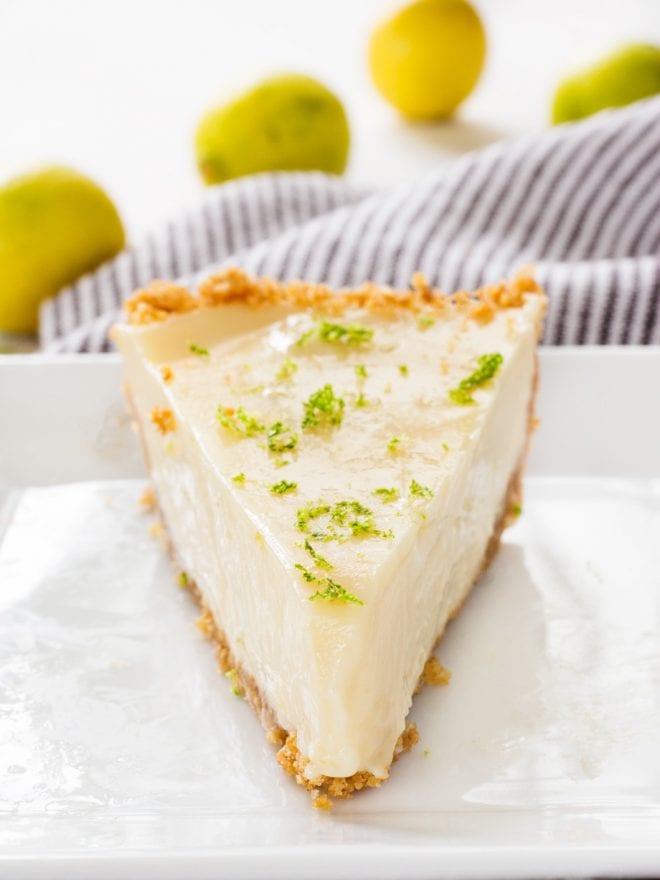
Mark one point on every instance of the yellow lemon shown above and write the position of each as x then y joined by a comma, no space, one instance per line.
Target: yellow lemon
55,225
629,74
427,58
286,123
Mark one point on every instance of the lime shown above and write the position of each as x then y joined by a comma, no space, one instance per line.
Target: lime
289,122
428,57
629,74
55,225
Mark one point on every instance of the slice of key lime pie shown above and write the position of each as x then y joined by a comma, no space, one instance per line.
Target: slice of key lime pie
333,470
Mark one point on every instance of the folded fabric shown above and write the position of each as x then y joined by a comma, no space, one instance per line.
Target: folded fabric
581,202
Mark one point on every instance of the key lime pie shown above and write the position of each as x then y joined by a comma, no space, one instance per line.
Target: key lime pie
333,470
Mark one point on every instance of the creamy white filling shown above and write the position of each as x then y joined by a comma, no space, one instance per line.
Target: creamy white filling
340,675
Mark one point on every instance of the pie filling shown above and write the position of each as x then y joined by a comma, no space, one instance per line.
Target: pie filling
333,471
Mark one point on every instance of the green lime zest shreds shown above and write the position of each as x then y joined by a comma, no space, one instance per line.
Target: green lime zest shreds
445,447
361,373
308,575
198,349
489,364
287,369
344,334
182,579
281,438
420,491
334,592
393,445
403,369
232,675
283,487
351,334
316,556
310,512
240,422
307,335
323,409
339,521
516,510
425,321
239,479
386,495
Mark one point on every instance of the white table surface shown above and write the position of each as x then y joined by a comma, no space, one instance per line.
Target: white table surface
116,89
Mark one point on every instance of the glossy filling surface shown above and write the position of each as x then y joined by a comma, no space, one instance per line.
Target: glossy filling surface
331,484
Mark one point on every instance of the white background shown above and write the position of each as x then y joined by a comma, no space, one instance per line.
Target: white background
116,88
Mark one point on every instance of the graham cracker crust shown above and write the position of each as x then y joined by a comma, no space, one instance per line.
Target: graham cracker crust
162,299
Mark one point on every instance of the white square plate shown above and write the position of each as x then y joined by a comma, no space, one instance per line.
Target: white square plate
123,752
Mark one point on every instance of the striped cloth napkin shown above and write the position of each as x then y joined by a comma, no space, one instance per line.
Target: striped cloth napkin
581,202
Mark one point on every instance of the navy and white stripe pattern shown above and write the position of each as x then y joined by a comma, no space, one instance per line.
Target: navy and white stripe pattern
581,202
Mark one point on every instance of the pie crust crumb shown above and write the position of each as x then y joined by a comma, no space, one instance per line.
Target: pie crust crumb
434,673
162,299
321,802
147,500
163,419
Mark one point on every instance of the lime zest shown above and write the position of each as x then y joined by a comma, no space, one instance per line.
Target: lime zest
240,422
334,592
318,559
425,321
199,350
287,369
344,334
386,495
281,438
420,491
344,519
307,574
283,487
489,364
323,409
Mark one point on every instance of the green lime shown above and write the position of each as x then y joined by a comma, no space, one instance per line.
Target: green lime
629,74
287,123
55,225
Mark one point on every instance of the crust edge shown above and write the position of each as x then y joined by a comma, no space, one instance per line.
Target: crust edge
161,300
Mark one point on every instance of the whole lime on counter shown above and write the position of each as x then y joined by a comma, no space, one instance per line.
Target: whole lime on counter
289,122
427,58
629,74
55,225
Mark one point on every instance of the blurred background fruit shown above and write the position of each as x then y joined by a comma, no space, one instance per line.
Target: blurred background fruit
55,225
288,122
427,58
629,74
